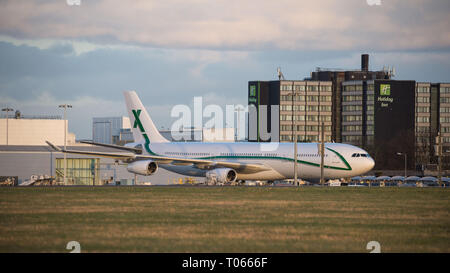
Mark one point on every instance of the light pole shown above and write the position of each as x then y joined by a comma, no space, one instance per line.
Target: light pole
238,110
65,106
406,161
439,141
322,153
7,110
294,134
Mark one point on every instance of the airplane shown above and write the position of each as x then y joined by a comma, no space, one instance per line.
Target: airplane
228,162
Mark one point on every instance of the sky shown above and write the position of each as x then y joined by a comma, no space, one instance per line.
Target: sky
54,52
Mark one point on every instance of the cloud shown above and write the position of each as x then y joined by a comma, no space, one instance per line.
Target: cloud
36,80
108,71
80,116
237,25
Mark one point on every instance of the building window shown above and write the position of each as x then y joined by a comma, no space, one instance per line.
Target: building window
423,89
444,109
286,127
300,118
351,98
350,108
311,128
352,118
352,139
349,88
312,118
325,88
324,108
445,90
422,129
325,98
423,99
445,129
286,107
352,128
423,119
421,109
312,98
308,138
286,88
286,117
299,107
444,100
300,98
312,88
286,98
299,87
312,108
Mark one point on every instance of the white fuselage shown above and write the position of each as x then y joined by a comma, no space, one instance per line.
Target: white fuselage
339,159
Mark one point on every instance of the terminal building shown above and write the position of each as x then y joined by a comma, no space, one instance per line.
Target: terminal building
111,130
33,130
24,152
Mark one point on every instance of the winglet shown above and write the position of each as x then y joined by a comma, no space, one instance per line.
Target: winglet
53,146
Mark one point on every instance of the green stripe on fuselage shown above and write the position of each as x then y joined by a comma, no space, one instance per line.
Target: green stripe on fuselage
348,167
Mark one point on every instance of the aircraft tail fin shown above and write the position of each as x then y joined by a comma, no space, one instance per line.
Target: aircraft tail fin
143,128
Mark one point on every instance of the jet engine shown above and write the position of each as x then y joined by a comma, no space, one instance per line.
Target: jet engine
222,175
143,167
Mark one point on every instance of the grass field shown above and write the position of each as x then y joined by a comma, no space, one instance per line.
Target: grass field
224,219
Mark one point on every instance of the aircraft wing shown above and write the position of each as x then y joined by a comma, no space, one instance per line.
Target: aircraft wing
122,156
205,164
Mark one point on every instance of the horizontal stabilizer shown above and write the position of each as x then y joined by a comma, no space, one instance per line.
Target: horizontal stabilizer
53,146
130,149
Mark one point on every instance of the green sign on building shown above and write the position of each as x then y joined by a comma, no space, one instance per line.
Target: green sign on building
385,89
252,91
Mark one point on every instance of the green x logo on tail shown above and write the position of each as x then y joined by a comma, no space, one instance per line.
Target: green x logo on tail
137,121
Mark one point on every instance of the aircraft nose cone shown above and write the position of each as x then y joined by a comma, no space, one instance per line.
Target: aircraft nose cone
371,164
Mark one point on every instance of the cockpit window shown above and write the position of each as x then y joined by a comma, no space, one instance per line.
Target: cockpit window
360,155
